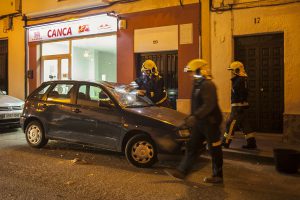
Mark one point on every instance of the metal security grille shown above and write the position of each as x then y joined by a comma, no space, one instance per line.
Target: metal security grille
263,59
3,65
167,64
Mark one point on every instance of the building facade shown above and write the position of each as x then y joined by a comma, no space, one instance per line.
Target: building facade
261,34
264,36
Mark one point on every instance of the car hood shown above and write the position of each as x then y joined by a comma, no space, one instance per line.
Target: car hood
163,114
6,100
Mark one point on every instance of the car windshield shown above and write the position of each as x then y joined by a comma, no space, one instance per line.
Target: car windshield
127,96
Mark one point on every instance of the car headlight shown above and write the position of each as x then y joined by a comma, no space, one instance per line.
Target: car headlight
184,133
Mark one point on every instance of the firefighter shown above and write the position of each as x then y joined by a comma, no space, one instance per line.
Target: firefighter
204,122
239,105
151,84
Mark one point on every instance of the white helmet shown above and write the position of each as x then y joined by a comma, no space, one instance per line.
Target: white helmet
237,68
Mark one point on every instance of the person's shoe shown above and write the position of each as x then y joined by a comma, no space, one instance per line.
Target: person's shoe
251,143
175,173
249,146
213,179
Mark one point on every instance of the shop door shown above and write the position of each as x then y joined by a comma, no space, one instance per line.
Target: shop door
55,68
263,60
3,65
167,64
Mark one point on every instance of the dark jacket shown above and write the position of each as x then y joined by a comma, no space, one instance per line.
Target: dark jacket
205,102
239,91
154,86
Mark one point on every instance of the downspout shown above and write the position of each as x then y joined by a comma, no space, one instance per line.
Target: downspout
200,29
26,55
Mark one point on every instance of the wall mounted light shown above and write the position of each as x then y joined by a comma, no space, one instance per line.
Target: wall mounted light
122,24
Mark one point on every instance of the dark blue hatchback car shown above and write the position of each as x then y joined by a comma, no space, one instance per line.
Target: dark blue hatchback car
106,115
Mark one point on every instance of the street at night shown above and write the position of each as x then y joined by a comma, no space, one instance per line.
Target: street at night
66,171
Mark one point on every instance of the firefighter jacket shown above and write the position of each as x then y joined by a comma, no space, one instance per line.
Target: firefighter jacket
154,87
239,91
204,105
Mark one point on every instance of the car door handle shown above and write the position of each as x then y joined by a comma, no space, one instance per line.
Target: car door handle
76,110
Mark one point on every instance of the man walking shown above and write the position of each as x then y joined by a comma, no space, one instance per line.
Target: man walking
239,106
204,121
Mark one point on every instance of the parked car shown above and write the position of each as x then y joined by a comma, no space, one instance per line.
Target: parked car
107,115
10,111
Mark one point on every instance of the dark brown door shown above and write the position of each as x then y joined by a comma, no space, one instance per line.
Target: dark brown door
166,63
3,66
263,59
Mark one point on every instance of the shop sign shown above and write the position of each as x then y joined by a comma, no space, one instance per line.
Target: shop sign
73,28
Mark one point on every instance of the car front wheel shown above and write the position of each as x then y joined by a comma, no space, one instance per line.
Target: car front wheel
141,151
35,135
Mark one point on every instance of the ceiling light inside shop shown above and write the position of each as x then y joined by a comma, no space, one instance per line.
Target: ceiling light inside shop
86,54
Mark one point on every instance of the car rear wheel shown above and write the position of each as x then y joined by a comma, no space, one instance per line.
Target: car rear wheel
35,135
141,151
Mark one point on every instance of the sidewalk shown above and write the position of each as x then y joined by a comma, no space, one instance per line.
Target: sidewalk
266,142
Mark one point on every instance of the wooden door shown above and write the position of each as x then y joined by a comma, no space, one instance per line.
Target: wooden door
263,59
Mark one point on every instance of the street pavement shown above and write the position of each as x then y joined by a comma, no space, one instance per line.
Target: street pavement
67,171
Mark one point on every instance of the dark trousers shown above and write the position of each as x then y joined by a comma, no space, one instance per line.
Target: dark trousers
196,145
238,120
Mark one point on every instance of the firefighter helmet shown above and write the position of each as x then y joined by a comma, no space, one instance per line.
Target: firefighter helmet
237,68
149,65
198,64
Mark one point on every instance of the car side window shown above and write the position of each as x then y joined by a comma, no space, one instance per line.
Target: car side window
61,93
38,95
91,95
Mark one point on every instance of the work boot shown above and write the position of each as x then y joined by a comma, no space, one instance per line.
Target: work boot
213,179
175,173
251,144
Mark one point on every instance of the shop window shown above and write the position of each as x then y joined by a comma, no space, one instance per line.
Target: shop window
55,48
95,59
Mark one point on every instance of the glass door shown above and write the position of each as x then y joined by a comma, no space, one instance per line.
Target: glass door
55,68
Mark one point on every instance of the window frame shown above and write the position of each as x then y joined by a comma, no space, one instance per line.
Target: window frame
60,102
88,85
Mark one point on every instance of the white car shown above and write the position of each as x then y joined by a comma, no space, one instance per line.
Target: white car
10,111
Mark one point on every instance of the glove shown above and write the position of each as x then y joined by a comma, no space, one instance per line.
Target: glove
141,92
190,121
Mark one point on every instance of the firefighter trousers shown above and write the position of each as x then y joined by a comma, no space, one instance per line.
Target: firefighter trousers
196,145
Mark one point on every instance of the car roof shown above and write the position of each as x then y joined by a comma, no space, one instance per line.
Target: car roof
104,83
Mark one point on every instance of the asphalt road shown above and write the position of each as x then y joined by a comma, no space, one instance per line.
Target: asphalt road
65,171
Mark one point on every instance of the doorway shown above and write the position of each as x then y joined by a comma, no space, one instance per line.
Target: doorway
263,57
167,65
55,68
4,65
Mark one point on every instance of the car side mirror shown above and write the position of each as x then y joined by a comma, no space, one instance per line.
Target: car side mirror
106,104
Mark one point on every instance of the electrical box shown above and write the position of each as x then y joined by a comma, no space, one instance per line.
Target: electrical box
10,6
18,5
